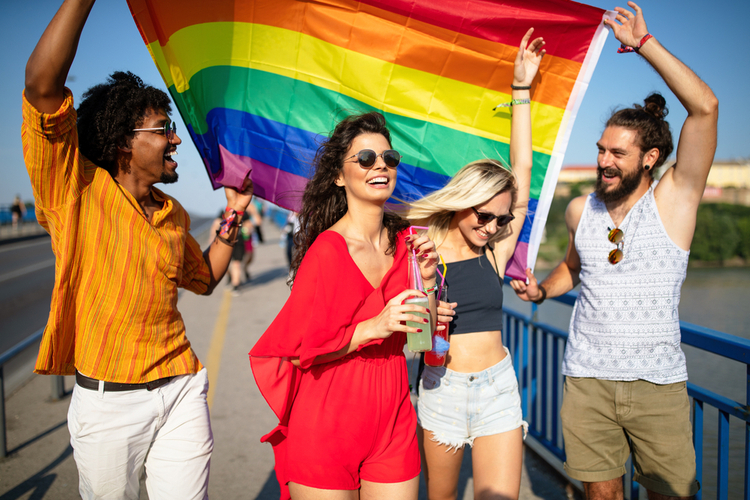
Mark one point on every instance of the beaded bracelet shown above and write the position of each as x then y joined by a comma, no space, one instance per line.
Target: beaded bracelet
513,102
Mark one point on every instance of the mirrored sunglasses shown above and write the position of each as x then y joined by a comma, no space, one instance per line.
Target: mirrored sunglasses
484,218
368,157
169,130
616,236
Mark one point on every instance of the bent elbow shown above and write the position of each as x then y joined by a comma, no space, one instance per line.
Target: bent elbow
710,106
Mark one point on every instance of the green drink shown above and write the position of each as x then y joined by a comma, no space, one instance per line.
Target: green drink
421,341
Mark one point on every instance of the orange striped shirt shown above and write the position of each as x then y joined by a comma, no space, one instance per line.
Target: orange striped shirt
113,314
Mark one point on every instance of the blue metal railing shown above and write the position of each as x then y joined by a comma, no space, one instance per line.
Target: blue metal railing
537,349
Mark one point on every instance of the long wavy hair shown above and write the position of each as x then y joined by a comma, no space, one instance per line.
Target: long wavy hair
476,183
323,202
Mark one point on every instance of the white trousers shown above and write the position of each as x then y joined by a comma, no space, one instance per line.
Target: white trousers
165,432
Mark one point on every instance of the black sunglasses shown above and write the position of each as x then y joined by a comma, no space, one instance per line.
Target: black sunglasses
169,130
485,218
368,157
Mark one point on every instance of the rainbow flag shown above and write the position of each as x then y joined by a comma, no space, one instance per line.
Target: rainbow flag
259,83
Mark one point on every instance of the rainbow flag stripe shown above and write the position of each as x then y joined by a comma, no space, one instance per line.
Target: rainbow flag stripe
258,84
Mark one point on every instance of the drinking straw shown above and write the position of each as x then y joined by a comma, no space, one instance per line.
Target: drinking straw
442,277
415,268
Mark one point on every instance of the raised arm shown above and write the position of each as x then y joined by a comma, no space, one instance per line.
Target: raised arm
218,254
525,68
695,150
48,66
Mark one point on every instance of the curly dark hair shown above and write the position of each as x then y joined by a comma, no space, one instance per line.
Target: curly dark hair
323,202
650,124
110,111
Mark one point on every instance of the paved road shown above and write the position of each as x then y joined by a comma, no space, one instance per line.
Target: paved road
222,328
27,274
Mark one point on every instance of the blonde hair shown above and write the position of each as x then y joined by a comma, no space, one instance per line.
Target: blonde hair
475,184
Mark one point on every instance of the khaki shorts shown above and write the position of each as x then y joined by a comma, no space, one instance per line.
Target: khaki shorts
605,420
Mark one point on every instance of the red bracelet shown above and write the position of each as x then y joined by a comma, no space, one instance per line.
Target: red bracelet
230,209
645,39
624,48
233,219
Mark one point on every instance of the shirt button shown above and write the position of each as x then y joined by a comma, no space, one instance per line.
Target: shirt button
471,378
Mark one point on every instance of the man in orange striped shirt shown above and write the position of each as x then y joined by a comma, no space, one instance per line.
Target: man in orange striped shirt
122,250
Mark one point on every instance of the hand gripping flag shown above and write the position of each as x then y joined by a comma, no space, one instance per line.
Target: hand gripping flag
260,83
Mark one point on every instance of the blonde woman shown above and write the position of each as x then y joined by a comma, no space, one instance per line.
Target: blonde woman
475,221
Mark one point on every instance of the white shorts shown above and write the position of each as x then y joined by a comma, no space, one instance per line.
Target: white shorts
167,431
459,407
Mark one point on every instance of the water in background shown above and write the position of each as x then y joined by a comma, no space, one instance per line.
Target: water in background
717,299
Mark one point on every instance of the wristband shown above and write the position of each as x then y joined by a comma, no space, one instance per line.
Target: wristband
520,87
544,295
233,219
625,49
645,39
430,289
230,209
514,102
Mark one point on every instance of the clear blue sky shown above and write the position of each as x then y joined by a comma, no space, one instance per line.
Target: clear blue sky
710,37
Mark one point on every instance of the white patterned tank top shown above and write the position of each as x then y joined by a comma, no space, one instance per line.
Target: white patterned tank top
625,323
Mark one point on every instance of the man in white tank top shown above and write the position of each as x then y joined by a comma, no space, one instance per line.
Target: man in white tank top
629,244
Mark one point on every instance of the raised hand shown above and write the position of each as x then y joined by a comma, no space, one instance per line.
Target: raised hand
239,200
528,59
528,292
632,27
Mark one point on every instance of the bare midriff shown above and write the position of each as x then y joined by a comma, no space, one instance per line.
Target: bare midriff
474,352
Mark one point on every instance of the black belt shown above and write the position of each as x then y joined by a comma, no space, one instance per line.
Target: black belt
93,384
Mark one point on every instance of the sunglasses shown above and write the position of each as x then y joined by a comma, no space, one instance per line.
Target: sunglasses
485,218
368,157
616,236
168,130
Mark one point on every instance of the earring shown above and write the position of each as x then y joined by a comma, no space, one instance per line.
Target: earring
647,167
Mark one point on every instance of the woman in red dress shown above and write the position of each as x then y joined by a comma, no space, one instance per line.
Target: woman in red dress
331,365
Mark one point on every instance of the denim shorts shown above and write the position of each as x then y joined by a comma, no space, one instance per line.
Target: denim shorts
459,407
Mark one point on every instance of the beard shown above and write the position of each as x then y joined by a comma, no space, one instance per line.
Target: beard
628,184
167,178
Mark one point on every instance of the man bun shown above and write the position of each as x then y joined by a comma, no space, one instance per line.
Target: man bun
656,106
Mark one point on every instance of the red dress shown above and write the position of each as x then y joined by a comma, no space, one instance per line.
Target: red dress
351,418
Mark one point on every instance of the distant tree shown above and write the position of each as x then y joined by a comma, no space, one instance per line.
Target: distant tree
716,234
743,247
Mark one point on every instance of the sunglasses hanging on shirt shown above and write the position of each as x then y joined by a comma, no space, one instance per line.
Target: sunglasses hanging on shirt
616,236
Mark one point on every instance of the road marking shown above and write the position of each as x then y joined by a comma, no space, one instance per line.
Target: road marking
213,360
19,246
26,270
